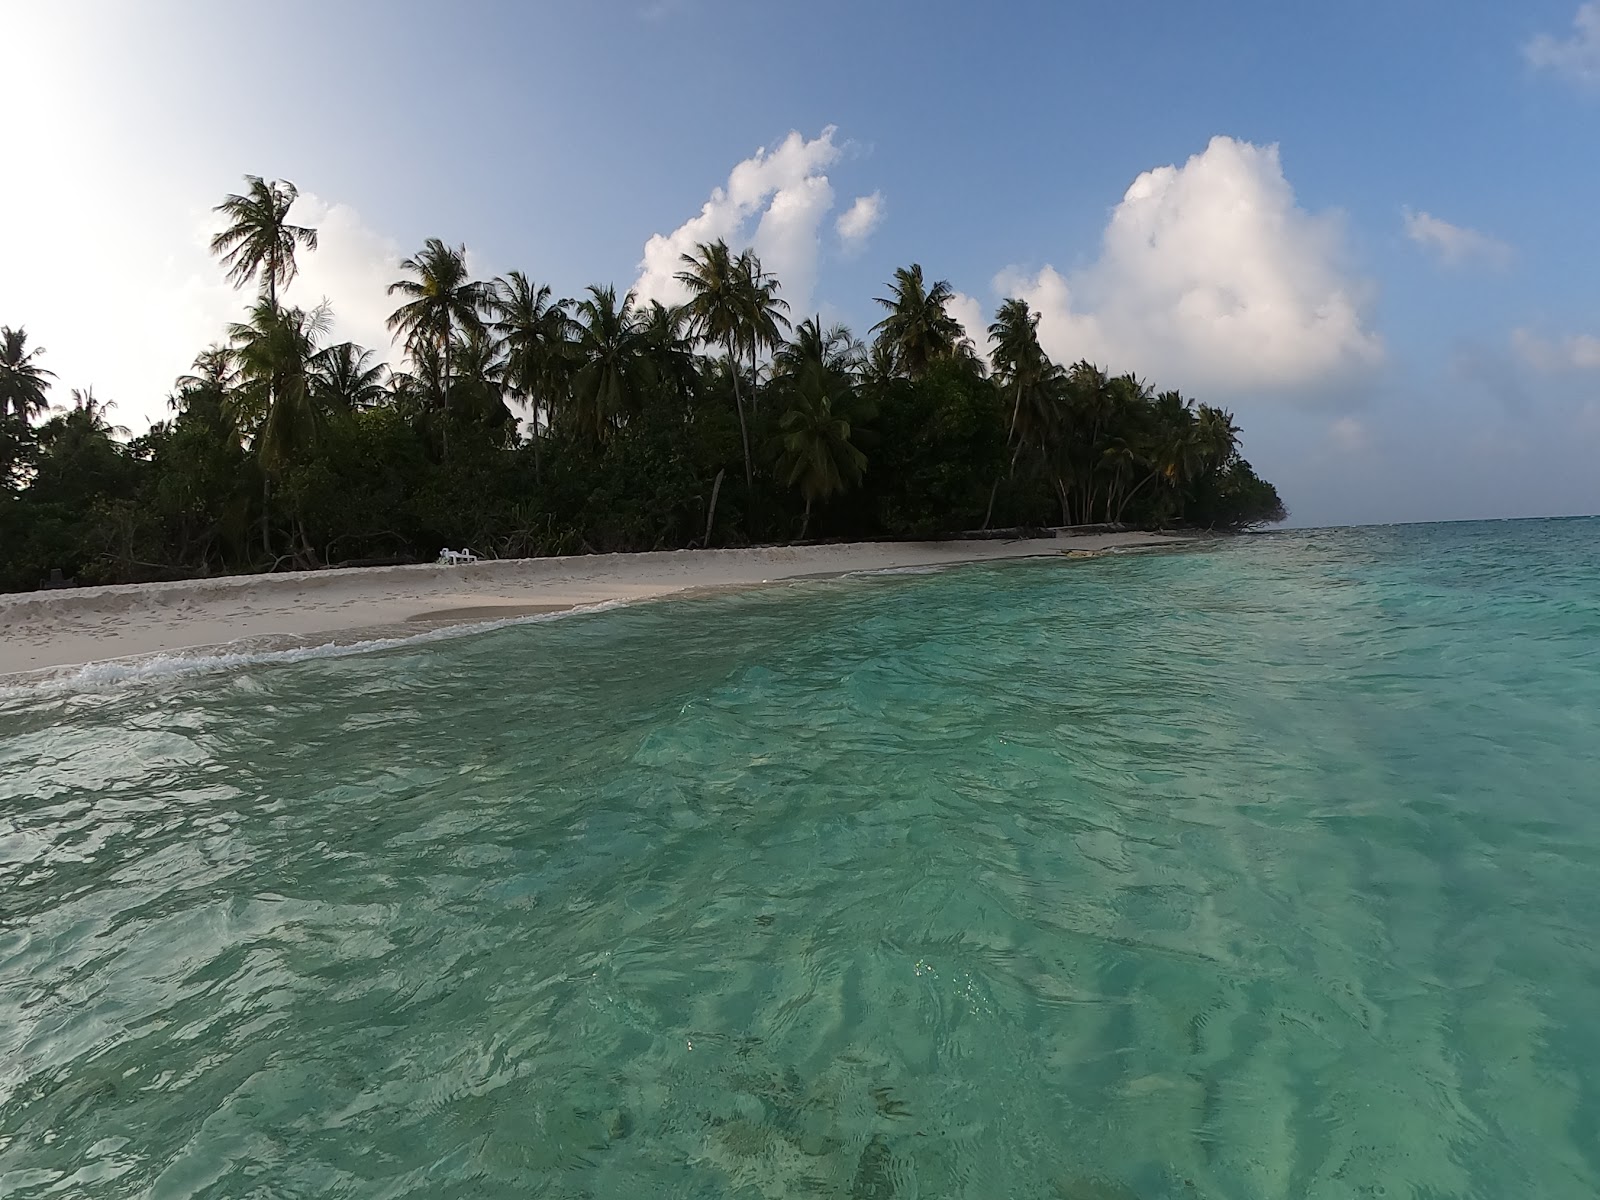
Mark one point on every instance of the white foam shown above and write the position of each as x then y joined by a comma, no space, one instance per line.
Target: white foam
112,673
921,569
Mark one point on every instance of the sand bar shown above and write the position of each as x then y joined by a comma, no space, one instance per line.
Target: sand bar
52,630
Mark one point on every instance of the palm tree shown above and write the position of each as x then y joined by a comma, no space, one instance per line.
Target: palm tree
1181,452
1171,449
610,374
416,392
478,388
23,382
833,350
878,369
538,334
91,413
718,309
1022,368
1020,363
275,350
213,367
761,310
1218,437
441,299
668,353
346,377
918,330
259,239
1122,458
815,453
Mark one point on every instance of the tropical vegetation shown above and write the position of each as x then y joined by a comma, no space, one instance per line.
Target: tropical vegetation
518,422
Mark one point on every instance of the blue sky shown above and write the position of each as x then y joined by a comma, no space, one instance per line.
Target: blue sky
1373,237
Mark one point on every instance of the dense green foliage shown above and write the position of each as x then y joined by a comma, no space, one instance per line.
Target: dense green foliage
641,427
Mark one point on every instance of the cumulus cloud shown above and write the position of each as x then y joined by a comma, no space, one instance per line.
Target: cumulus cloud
969,313
352,269
1212,277
785,190
1576,56
858,221
1455,245
1580,352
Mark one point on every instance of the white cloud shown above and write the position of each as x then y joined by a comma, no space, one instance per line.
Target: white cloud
969,312
1212,278
352,268
1455,245
788,187
788,242
857,223
1576,56
1580,352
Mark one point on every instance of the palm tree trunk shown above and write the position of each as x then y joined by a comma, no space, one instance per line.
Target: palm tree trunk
266,524
711,513
989,512
444,391
538,449
305,551
1128,496
744,434
805,521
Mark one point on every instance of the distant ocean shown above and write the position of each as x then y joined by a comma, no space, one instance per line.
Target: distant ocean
1265,869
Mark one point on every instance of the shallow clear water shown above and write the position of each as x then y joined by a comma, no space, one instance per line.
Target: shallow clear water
1266,870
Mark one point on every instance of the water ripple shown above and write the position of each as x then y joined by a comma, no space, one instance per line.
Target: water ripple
1259,872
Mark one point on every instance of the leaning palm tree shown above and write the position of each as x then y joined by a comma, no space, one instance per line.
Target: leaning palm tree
259,241
611,373
538,332
439,300
1024,372
23,382
919,330
718,310
1020,364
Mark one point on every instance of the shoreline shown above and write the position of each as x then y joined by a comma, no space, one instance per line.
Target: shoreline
46,634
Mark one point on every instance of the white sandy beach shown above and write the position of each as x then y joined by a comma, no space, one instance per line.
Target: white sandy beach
44,631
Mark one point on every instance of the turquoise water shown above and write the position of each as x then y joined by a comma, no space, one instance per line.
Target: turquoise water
1270,869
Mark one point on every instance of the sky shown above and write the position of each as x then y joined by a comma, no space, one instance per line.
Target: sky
1368,229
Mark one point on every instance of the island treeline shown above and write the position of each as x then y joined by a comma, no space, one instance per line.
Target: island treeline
528,424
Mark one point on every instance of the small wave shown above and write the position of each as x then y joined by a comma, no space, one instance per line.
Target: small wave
112,673
920,569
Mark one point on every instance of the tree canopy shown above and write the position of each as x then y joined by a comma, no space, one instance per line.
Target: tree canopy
519,422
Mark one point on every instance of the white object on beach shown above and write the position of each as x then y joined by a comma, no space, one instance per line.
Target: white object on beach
455,558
